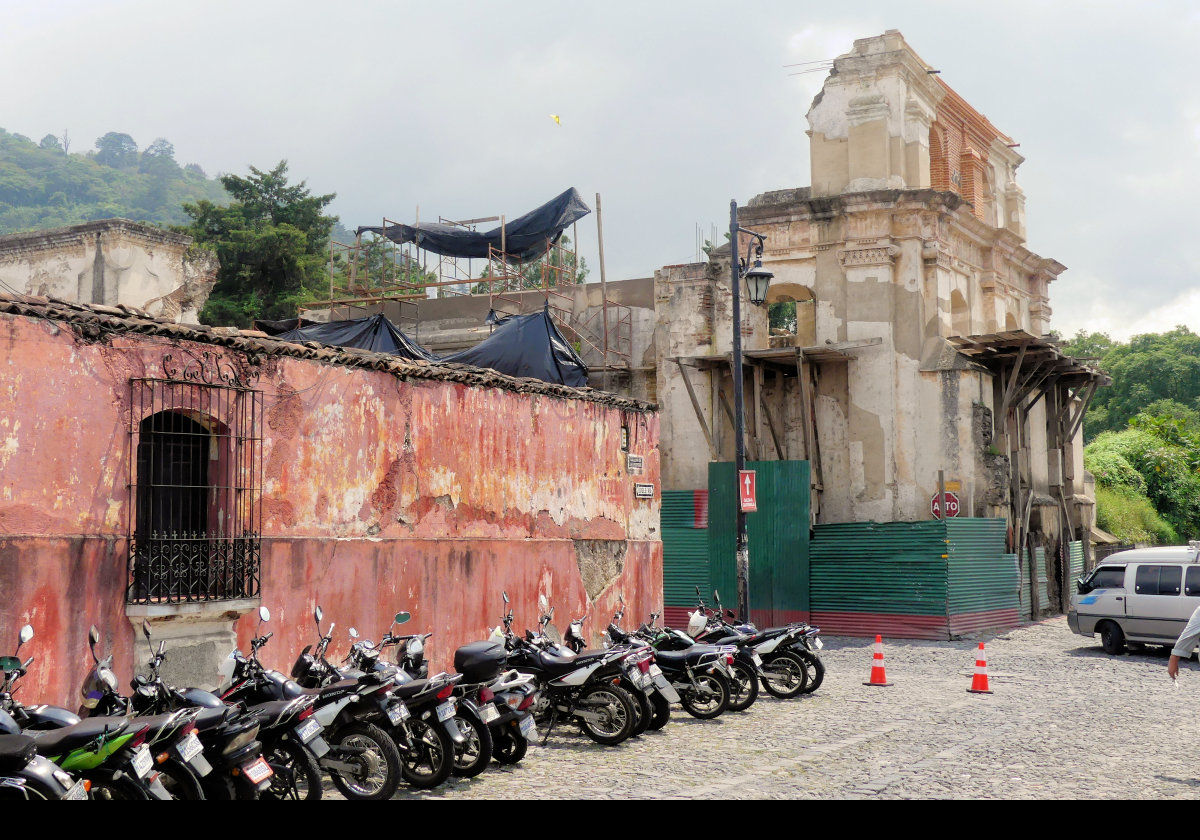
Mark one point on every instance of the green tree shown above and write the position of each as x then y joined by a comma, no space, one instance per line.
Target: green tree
271,241
116,150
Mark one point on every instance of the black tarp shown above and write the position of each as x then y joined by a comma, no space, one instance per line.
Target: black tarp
527,345
375,332
525,238
279,327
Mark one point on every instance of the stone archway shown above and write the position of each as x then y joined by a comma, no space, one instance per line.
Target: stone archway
805,307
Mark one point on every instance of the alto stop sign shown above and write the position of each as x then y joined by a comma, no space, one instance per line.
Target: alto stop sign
951,505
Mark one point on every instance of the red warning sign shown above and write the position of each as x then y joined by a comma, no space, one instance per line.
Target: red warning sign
746,491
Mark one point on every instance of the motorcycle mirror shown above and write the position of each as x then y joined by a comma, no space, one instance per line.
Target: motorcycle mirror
318,615
402,617
93,640
264,614
504,595
353,633
24,636
146,629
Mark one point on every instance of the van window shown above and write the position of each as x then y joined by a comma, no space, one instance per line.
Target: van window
1113,577
1158,580
1191,585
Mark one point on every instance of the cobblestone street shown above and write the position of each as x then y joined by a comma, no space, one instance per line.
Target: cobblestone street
1065,721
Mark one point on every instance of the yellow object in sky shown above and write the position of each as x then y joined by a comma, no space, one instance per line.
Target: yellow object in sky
557,121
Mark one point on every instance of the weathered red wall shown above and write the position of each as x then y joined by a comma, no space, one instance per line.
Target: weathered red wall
379,494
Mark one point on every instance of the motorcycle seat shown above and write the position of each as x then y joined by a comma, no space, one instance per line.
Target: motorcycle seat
16,751
410,689
554,664
159,725
57,741
210,717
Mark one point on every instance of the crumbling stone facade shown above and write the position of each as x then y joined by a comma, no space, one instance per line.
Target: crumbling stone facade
112,262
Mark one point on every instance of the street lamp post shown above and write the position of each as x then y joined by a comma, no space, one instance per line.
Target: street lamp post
757,280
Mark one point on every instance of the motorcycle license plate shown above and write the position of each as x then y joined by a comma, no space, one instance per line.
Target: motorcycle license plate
757,659
397,712
489,713
655,671
528,728
308,730
189,747
445,711
257,770
142,761
817,643
77,791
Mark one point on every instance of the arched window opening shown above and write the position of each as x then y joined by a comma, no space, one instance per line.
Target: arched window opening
792,309
195,485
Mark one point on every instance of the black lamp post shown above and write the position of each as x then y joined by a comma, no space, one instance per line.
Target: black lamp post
757,280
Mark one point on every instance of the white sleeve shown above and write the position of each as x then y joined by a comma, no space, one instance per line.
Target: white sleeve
1189,637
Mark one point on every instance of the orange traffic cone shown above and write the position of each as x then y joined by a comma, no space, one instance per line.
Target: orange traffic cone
878,676
979,683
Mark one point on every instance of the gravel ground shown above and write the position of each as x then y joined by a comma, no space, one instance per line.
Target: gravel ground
1065,721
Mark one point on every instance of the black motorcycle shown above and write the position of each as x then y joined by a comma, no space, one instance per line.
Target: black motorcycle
229,763
581,688
362,760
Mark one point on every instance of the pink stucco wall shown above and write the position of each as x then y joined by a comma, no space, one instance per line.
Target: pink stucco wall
379,494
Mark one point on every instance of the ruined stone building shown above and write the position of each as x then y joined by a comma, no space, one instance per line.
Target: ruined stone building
921,314
111,262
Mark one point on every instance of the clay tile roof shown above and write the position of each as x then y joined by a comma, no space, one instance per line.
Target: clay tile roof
98,322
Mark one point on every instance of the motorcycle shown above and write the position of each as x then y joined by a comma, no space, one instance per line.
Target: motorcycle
26,775
699,673
109,756
227,738
289,734
582,688
792,665
362,760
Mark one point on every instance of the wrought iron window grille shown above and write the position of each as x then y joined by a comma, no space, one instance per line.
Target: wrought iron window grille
195,486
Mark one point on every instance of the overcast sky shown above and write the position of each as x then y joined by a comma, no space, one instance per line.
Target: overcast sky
668,110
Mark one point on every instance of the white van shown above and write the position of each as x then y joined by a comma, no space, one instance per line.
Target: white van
1145,595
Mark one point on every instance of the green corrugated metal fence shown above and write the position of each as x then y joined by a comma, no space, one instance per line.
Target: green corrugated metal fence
685,546
778,534
929,579
1075,549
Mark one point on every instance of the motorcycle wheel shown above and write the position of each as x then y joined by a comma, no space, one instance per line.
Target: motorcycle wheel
180,781
662,712
378,759
616,707
710,705
785,676
475,753
106,784
508,744
641,710
297,773
743,688
816,672
431,759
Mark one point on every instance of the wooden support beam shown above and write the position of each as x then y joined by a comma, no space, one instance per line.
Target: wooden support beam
766,410
809,406
751,444
758,398
1006,401
687,383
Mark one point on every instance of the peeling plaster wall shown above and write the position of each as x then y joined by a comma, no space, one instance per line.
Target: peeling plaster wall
379,494
112,261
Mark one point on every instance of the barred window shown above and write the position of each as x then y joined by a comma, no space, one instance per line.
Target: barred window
195,486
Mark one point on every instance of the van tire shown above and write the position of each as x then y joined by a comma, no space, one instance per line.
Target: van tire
1112,638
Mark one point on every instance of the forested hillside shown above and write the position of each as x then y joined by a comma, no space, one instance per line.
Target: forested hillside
45,185
1143,434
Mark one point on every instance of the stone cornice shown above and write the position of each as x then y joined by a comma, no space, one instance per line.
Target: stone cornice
56,238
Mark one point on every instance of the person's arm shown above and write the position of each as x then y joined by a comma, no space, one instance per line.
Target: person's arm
1185,644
